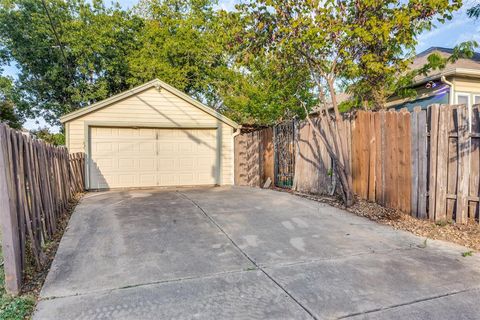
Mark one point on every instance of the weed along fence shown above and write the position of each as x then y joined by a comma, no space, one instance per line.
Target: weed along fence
37,182
425,163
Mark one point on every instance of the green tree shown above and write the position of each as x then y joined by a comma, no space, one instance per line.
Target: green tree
474,12
178,45
264,91
69,53
9,113
57,139
362,45
73,53
258,89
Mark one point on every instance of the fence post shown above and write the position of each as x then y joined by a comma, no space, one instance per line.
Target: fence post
8,217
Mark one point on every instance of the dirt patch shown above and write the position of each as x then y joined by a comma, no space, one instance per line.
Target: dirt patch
34,278
467,235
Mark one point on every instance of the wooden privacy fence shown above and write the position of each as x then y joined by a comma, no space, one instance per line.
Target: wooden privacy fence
254,158
381,158
314,170
425,163
37,181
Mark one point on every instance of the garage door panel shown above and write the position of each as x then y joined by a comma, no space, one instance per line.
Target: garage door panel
166,165
148,179
147,164
145,147
185,147
126,179
186,178
128,157
126,147
104,163
186,164
104,147
166,148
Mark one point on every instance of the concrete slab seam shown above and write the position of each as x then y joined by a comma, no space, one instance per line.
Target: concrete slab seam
310,313
173,280
409,303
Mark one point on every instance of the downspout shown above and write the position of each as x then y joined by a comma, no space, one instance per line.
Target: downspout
235,134
452,90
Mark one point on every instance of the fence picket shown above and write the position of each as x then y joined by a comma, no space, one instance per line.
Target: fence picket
442,166
35,187
422,165
463,166
415,161
372,156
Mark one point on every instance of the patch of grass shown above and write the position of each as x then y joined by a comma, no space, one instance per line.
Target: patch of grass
21,308
250,269
442,223
424,244
467,254
13,308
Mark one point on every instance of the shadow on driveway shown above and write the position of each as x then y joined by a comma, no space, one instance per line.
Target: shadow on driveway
241,253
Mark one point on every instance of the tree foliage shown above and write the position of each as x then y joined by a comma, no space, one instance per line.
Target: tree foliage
71,54
474,12
9,114
57,139
177,45
362,46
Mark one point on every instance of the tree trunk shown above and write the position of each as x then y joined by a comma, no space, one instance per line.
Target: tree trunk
336,146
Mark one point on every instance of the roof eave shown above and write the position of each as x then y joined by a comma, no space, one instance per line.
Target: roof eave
450,72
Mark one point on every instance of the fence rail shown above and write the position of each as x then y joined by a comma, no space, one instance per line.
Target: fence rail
37,182
425,163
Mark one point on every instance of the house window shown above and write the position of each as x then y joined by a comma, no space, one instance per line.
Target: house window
476,99
463,98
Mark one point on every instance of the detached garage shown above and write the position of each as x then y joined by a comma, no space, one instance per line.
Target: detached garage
152,135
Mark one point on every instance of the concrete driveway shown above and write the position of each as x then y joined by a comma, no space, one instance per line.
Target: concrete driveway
241,253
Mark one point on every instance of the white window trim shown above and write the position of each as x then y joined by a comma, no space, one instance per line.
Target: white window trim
473,98
469,106
467,94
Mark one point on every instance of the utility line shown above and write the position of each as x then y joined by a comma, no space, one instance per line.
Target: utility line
57,38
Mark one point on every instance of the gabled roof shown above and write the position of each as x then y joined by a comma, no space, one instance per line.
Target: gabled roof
156,83
463,66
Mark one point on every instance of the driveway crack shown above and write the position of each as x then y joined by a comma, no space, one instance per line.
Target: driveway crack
257,266
408,303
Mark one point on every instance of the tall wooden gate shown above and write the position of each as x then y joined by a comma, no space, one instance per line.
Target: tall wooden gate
284,141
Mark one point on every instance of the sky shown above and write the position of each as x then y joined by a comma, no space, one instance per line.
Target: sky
459,29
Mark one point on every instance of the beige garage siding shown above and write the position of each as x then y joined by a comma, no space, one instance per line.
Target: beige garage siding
154,108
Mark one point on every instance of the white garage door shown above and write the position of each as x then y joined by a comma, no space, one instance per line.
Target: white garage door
130,157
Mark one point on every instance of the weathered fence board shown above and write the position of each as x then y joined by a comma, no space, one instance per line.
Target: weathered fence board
254,158
474,178
37,181
425,163
419,163
313,166
12,255
463,166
